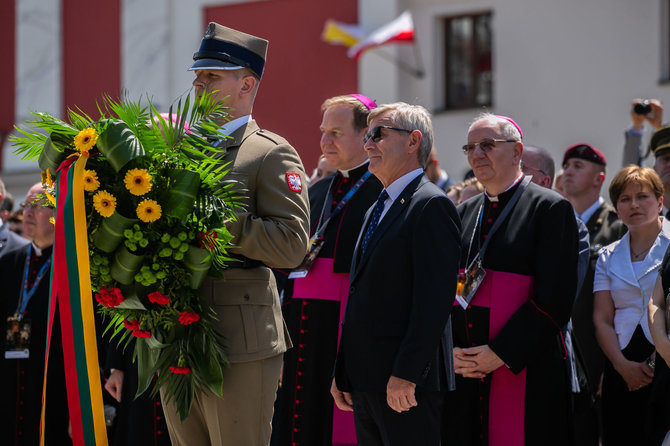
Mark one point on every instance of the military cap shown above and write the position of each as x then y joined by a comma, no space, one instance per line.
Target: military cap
224,48
586,152
660,141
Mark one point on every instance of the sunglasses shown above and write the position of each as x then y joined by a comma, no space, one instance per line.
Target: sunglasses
486,144
376,133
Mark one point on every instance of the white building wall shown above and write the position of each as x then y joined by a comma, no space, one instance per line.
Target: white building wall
565,71
156,51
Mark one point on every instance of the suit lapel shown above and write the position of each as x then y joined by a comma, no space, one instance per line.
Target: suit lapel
396,209
621,263
652,260
364,227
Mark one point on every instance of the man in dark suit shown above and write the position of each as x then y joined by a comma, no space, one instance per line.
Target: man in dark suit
8,239
584,167
270,231
391,366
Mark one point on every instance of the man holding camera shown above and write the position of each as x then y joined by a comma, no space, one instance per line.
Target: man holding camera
649,110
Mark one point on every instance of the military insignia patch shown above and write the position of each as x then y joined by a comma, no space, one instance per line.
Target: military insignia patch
294,181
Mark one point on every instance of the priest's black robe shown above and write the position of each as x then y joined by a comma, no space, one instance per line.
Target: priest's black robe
22,378
531,259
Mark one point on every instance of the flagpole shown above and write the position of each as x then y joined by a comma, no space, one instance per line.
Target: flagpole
418,73
421,70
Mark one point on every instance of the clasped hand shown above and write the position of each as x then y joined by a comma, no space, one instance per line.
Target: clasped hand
475,362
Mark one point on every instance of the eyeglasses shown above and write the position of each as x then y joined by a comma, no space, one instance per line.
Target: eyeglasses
376,133
486,144
525,167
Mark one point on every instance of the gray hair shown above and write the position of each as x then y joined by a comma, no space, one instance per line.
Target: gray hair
508,129
410,117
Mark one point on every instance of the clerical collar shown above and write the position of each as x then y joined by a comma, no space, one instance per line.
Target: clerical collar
588,213
494,199
41,251
37,249
229,127
346,172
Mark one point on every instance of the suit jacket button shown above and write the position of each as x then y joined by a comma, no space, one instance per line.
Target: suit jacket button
246,297
352,289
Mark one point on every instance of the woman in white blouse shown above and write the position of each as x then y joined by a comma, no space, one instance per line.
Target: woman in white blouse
626,273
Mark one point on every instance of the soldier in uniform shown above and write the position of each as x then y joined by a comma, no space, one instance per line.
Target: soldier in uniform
584,168
271,231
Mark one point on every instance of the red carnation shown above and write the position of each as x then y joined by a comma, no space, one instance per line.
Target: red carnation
109,298
131,325
180,370
158,298
188,317
208,238
141,333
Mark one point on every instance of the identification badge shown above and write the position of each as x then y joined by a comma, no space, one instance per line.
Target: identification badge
18,338
315,245
468,282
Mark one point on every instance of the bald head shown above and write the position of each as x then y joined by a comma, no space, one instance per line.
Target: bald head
537,162
37,215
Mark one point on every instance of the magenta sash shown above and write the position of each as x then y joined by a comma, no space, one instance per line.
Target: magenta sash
322,283
503,294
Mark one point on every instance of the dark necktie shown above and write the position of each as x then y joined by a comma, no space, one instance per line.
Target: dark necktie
374,221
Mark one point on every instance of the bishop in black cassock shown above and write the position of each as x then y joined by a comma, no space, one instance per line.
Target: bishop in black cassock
512,384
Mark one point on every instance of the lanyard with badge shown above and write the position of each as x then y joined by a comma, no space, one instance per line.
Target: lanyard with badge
317,240
18,327
474,273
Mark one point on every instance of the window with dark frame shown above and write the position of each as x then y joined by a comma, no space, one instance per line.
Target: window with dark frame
468,61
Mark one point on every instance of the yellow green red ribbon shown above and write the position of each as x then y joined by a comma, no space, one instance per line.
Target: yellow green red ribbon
71,292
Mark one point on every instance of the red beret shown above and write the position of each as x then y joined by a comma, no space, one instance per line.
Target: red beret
586,152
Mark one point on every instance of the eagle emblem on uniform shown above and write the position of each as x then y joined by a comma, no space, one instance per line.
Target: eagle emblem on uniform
209,32
294,181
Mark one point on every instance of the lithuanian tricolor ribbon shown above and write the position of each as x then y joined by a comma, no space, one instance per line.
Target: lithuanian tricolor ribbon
71,293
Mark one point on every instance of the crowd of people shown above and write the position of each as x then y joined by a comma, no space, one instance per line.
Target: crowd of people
380,302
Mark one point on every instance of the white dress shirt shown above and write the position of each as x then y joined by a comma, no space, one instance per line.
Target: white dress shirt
587,214
395,189
229,127
630,290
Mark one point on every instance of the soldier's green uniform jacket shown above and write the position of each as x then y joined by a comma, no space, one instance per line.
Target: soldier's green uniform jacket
273,229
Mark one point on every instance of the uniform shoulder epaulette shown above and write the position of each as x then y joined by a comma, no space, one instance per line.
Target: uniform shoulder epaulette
271,136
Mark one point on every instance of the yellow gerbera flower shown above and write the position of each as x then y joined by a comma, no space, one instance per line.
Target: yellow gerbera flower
91,182
86,139
148,211
138,181
51,198
104,203
47,181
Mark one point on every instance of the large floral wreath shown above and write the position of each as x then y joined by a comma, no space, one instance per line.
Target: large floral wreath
156,202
